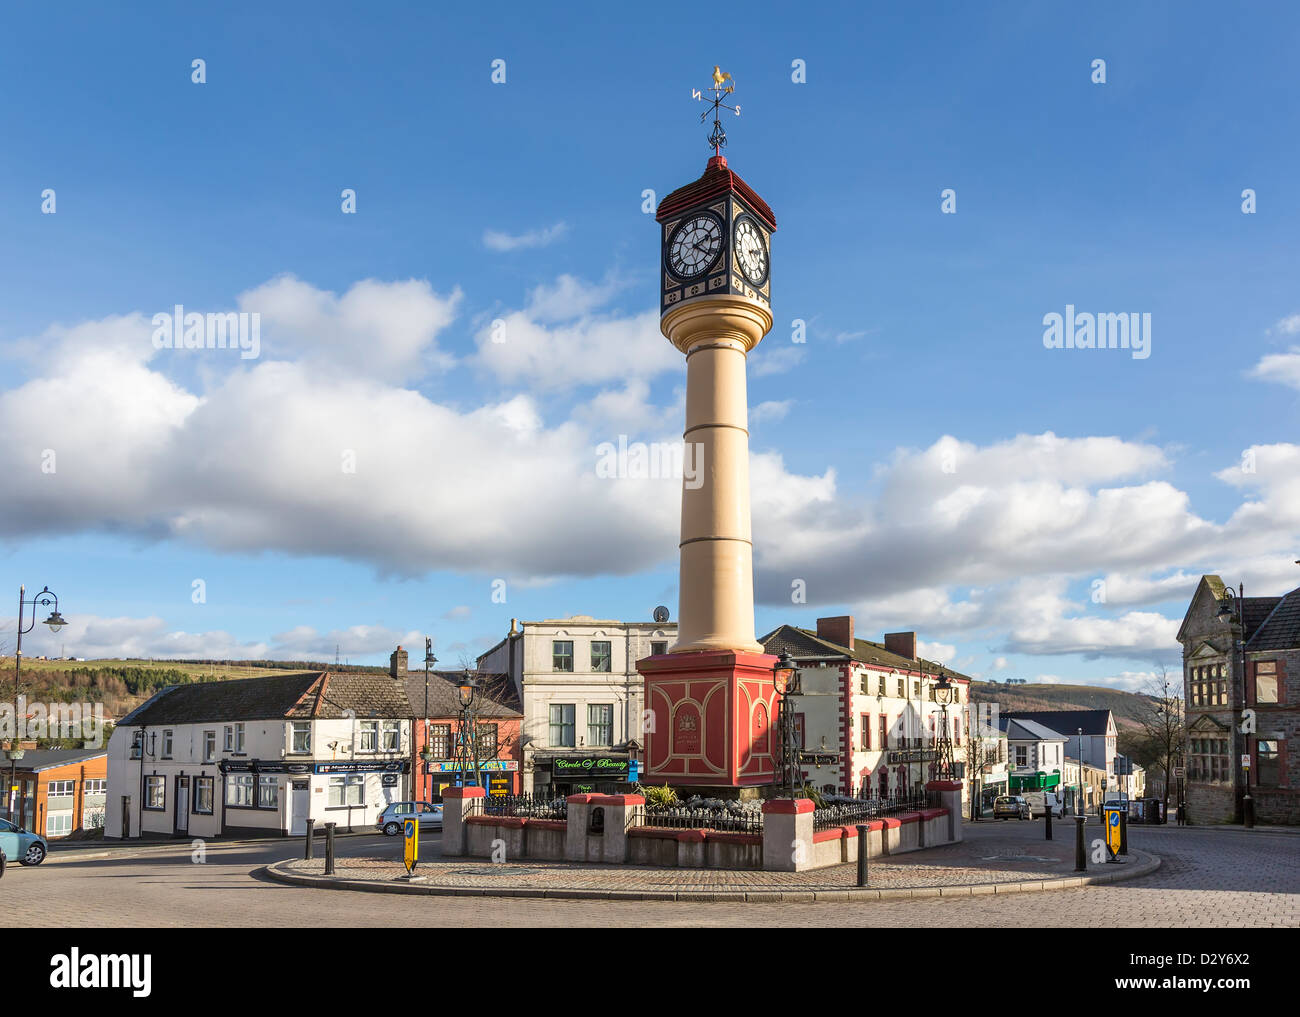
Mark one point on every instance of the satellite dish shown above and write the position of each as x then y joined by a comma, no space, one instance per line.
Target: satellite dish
661,614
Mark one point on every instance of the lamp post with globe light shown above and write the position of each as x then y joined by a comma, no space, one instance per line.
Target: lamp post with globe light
782,676
55,622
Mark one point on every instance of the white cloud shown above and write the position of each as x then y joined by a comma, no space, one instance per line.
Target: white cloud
769,411
496,240
769,359
939,652
88,635
388,330
304,642
1283,368
1289,325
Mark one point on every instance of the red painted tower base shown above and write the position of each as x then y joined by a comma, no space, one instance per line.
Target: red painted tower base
710,719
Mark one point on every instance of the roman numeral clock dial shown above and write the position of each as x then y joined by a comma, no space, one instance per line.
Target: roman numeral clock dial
751,250
695,246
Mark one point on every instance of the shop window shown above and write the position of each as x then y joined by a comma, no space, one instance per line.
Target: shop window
203,796
239,790
268,791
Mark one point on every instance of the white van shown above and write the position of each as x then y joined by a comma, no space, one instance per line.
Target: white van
1041,801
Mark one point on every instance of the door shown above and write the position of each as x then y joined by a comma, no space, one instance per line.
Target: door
182,805
301,796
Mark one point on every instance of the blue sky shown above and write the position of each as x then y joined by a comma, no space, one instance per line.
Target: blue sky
924,330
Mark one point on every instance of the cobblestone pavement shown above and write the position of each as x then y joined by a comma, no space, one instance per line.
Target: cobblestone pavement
1209,878
993,853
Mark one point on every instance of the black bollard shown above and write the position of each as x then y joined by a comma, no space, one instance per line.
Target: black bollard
1123,833
310,823
1049,817
1080,852
862,855
329,848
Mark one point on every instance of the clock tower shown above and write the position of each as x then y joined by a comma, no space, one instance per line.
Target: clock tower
710,700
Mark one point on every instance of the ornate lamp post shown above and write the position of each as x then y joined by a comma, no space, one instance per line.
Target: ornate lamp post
467,692
1230,614
426,753
945,693
55,621
782,676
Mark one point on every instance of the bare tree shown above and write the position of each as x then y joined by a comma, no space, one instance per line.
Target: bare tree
1163,725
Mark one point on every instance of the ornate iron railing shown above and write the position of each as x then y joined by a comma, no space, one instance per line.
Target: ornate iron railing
683,817
529,806
863,810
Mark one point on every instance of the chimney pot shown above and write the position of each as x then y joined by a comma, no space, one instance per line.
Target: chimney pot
838,630
901,643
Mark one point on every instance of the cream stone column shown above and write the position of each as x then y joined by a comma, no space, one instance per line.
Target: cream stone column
716,597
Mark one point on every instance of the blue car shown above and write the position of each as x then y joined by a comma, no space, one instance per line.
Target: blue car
21,846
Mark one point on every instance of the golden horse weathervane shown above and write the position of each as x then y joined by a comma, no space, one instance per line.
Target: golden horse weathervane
720,88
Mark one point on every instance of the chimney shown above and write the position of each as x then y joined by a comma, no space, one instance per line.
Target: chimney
902,643
836,630
397,664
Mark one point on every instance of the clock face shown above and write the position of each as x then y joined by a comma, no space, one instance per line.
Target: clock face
751,250
694,246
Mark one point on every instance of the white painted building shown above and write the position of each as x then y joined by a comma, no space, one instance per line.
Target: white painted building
260,755
866,716
581,694
1037,755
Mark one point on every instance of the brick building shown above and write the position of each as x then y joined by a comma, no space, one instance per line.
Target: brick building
62,791
1234,711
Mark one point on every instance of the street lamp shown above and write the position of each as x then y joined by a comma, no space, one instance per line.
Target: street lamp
427,753
55,621
467,694
945,692
782,677
1230,612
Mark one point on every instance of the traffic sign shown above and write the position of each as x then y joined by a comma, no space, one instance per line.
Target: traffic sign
1245,761
411,855
1178,773
1112,830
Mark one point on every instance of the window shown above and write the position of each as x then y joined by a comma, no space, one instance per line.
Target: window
203,795
369,736
1266,683
346,790
1022,755
916,688
60,789
268,791
562,724
880,689
658,649
392,735
58,824
956,730
300,738
866,732
440,740
209,746
95,787
884,729
902,688
155,793
167,745
562,655
487,741
239,790
230,738
601,656
1208,760
1267,757
600,724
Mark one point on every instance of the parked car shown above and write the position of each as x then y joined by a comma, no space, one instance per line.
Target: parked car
1009,807
21,846
1040,801
390,820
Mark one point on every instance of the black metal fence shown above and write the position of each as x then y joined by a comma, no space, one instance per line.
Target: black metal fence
850,812
529,806
683,817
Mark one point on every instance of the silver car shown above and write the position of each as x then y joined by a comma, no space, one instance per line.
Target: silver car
390,820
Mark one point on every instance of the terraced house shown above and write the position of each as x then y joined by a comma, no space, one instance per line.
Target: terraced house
260,755
1241,687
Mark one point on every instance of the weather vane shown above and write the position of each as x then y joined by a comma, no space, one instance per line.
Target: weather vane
720,89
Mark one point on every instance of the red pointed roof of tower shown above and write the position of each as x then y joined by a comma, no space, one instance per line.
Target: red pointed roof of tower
717,180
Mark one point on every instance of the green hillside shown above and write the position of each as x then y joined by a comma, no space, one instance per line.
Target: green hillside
1127,707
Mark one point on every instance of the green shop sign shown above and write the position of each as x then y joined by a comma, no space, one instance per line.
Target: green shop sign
589,768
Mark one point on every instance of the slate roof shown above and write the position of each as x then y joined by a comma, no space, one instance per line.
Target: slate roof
500,698
1280,629
1018,729
309,695
1093,722
802,644
48,758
